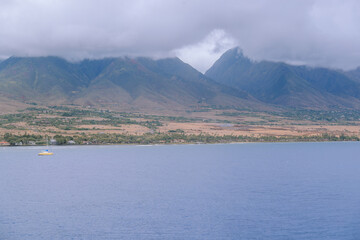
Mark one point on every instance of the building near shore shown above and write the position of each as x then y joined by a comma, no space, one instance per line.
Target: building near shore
4,143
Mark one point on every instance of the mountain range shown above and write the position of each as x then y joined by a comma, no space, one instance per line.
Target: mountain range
234,81
127,83
287,85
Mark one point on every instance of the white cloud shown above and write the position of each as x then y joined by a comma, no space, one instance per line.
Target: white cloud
316,32
203,54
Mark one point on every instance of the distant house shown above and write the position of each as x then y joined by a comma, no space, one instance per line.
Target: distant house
53,142
4,143
71,142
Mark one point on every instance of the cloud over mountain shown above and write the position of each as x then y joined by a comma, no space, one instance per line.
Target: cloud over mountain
315,32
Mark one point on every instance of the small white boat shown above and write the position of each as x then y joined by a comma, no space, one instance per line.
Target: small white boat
45,153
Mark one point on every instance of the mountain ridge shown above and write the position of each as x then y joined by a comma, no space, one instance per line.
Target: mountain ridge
118,82
234,81
286,85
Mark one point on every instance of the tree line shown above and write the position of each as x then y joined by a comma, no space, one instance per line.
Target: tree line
162,138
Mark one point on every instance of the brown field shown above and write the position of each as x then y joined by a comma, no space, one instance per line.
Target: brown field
10,106
248,130
214,122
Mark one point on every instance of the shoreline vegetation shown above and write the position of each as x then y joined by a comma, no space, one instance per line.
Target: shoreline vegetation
76,125
159,138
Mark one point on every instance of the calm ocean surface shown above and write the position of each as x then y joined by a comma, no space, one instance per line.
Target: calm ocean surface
235,191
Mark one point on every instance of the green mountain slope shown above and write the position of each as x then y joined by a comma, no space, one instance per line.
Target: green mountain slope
49,79
354,74
286,85
135,83
144,82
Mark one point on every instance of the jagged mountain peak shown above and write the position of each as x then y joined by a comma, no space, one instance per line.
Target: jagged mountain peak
236,54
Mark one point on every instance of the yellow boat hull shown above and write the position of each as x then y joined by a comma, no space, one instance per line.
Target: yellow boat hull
45,153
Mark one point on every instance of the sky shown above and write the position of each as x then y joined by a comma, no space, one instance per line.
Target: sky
312,32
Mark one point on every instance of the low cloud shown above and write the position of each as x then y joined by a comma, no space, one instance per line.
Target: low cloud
313,32
204,53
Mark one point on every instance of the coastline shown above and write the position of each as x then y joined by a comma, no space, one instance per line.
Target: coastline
180,139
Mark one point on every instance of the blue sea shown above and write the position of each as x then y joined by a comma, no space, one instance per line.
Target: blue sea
221,191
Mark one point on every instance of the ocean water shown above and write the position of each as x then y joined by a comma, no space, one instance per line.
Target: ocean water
222,191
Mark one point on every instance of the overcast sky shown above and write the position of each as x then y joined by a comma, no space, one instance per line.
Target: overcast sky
313,32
